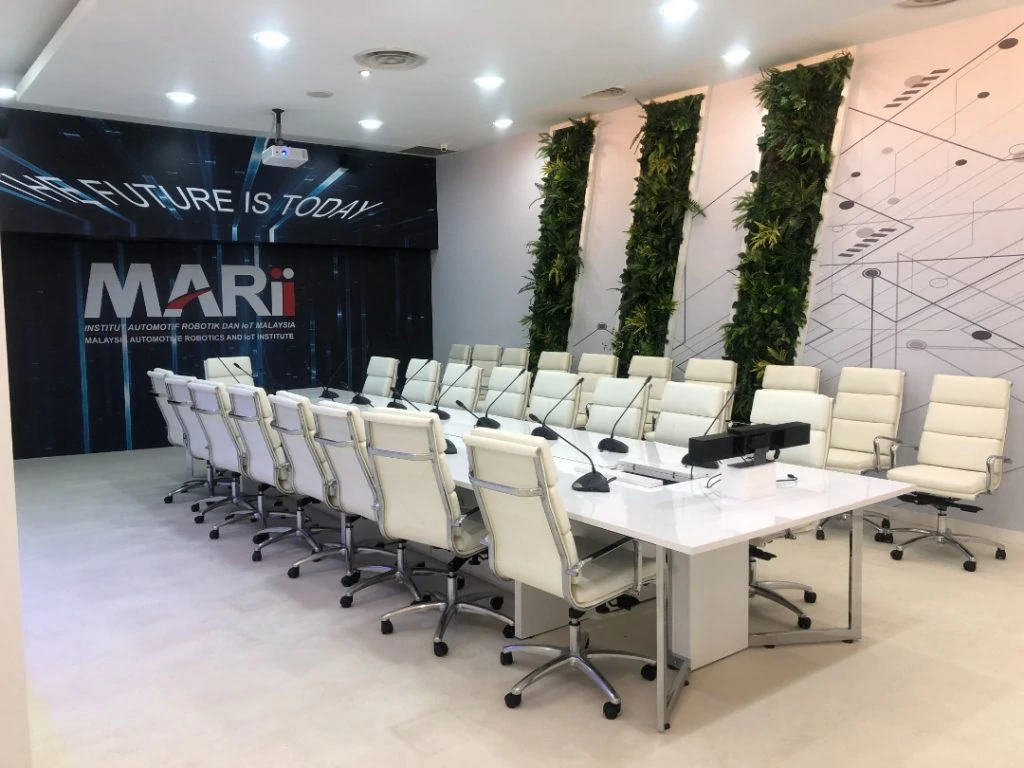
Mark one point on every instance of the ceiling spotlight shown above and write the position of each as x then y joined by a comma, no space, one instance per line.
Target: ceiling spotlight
7,93
182,98
503,123
678,10
736,56
364,73
371,124
490,82
272,40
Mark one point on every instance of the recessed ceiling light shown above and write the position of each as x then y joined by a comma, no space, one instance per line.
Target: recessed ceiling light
183,98
490,82
678,10
271,39
364,73
371,124
7,93
503,123
736,56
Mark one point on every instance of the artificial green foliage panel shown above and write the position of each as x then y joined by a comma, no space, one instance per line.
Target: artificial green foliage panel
556,252
781,215
668,142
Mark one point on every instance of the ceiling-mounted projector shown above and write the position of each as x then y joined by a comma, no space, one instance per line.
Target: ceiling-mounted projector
280,154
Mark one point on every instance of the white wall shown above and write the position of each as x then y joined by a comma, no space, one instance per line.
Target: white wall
485,221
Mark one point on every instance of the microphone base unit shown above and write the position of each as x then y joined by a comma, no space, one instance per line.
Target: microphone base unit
442,415
361,400
592,482
449,447
328,394
611,445
398,405
546,432
488,422
699,464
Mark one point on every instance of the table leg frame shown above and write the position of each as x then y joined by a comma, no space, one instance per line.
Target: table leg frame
668,688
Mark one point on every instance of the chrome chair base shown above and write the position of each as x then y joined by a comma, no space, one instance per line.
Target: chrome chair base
576,656
943,535
400,572
876,520
769,590
303,530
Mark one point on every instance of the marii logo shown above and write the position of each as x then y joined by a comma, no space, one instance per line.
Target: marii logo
238,283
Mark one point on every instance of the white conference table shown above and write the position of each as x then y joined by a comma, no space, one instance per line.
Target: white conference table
700,538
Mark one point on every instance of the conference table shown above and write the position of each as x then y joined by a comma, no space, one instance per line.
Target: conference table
699,537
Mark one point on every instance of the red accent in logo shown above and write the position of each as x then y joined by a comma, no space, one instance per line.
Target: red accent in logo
188,298
289,299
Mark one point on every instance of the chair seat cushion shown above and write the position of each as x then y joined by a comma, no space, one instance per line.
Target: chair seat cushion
853,461
941,481
609,576
467,539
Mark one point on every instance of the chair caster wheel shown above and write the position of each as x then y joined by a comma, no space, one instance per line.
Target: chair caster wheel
611,711
168,499
350,579
214,534
346,601
819,535
513,700
257,556
440,649
649,672
804,622
293,572
810,597
885,523
884,537
896,554
505,658
195,507
460,582
386,627
1000,554
199,519
259,538
497,602
508,632
970,566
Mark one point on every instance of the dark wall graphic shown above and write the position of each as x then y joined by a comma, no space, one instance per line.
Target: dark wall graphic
62,174
87,318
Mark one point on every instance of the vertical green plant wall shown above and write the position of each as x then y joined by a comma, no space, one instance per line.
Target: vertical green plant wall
668,141
556,252
781,215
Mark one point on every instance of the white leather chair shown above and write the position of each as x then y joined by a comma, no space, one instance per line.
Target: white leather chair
611,396
422,387
805,378
554,361
228,370
457,384
548,388
865,422
180,400
486,357
513,403
660,371
381,373
515,357
175,431
531,541
689,410
591,368
718,373
420,504
461,354
960,457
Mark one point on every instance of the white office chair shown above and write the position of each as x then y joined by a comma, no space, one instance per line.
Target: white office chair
531,541
865,421
422,387
591,368
515,357
228,370
611,398
485,357
717,373
381,373
660,371
777,406
960,457
461,354
175,431
513,403
805,378
180,400
458,384
548,388
420,504
554,361
689,410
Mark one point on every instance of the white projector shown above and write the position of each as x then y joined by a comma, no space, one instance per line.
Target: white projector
285,157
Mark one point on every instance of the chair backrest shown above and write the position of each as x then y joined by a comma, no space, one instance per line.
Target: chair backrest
554,361
966,423
591,368
610,400
780,406
265,460
158,388
805,378
228,370
516,484
381,373
307,466
548,387
342,437
868,404
513,402
179,398
486,357
211,405
460,353
689,410
422,387
466,385
418,500
717,373
515,357
660,371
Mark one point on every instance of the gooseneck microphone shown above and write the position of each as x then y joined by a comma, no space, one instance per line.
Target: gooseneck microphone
544,430
228,369
486,420
593,481
710,464
610,443
442,415
328,393
463,406
396,394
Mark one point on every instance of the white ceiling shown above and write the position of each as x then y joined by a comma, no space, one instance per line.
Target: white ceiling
118,57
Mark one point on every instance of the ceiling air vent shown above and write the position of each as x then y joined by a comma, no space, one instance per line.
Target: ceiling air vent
922,3
389,59
427,151
608,93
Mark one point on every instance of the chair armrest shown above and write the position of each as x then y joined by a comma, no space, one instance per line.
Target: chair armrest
577,569
894,445
990,470
464,516
876,443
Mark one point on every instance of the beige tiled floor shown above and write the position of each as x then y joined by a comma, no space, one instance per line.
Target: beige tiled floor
150,645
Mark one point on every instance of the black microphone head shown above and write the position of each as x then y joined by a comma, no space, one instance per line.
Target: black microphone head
460,404
533,417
